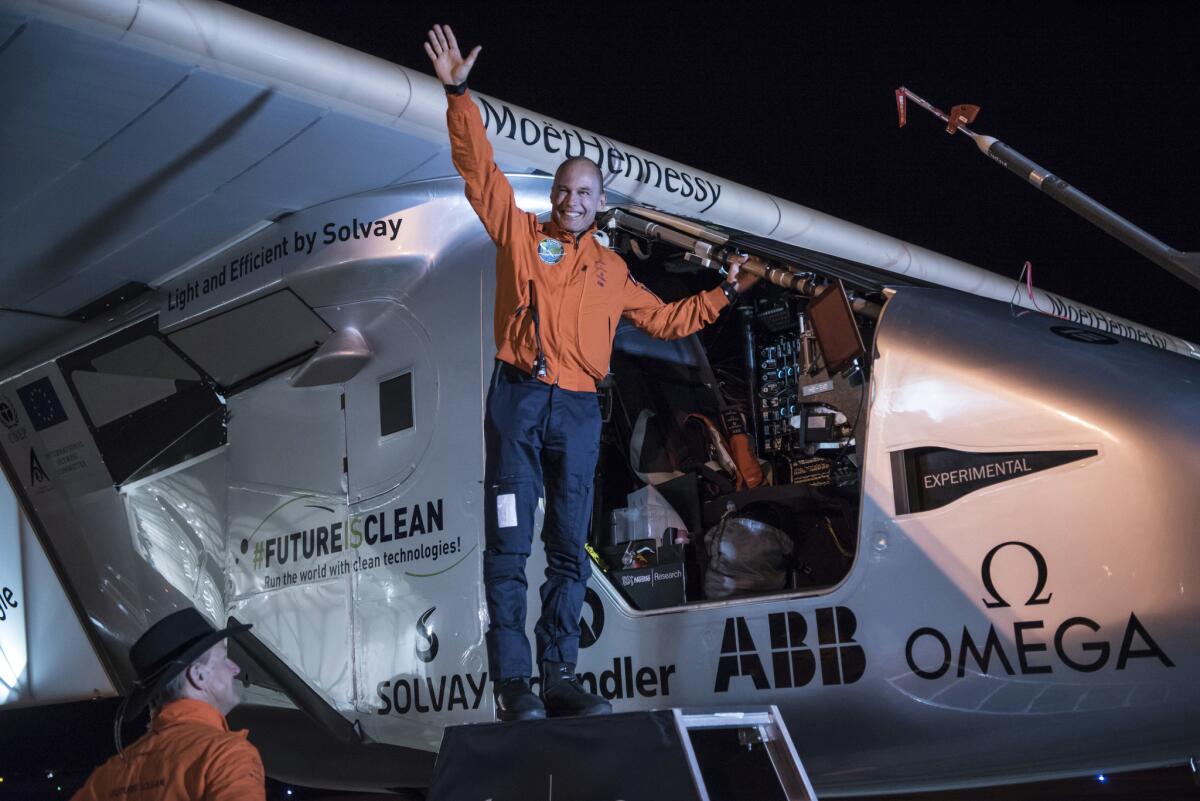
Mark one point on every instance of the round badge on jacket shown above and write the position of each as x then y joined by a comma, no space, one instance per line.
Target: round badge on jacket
550,251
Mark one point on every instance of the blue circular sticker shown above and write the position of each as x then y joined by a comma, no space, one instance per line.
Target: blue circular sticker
550,251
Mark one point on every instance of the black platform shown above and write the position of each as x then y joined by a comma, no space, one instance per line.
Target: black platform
663,755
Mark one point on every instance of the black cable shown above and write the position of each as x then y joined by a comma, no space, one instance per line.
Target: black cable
118,721
539,362
862,396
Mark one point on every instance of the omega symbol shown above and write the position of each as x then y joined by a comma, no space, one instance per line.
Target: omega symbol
1039,562
1076,644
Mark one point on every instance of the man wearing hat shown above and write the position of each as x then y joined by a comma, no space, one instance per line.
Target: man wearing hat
186,676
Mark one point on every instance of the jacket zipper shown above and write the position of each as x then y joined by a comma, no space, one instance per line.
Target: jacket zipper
579,329
558,312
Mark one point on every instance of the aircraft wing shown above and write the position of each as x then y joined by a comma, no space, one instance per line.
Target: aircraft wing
126,159
139,137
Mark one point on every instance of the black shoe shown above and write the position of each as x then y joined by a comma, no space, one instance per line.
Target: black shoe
564,696
515,701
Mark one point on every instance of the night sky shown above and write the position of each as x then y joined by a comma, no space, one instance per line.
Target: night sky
800,104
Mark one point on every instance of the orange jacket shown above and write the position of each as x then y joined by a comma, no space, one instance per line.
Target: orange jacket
580,298
188,754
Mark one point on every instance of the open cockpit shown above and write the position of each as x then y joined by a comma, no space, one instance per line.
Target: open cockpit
730,460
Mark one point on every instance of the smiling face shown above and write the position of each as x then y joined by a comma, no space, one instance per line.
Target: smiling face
576,196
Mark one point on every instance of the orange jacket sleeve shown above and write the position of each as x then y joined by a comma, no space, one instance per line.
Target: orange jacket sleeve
671,320
235,774
488,191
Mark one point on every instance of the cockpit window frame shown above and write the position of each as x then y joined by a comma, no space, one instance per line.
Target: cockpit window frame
204,411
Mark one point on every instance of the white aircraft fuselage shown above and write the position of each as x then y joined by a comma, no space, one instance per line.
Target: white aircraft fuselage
289,430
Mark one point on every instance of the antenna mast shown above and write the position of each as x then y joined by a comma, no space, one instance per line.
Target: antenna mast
1183,265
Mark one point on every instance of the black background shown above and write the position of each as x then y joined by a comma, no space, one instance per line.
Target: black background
797,100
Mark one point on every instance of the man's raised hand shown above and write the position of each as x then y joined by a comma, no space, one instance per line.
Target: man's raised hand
448,62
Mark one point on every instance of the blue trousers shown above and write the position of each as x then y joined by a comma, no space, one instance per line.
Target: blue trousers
537,436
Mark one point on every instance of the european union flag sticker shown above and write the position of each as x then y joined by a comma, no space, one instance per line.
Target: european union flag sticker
42,404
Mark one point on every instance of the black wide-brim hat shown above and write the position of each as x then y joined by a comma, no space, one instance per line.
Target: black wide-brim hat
167,648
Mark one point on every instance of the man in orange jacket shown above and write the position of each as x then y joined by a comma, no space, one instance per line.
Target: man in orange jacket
559,296
186,675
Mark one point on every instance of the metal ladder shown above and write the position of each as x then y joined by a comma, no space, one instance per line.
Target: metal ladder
755,728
